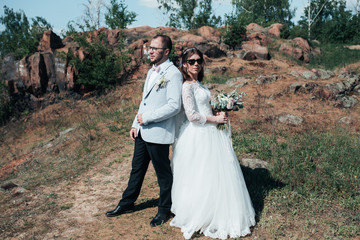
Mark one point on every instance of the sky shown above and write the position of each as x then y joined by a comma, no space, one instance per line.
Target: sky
59,13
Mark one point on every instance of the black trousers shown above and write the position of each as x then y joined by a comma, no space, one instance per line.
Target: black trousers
159,155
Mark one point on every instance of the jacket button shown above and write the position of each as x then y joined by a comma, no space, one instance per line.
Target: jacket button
144,104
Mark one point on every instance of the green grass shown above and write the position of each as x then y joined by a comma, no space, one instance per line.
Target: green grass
334,56
218,79
312,182
65,157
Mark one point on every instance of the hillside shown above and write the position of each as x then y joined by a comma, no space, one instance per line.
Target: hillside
66,163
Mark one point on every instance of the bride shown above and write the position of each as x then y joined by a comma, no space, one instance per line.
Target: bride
209,193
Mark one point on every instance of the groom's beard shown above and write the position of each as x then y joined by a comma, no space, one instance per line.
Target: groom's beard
158,58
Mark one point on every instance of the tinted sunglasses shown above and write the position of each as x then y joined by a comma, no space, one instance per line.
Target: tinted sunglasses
192,61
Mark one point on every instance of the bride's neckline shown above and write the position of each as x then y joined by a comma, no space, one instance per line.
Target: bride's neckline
191,82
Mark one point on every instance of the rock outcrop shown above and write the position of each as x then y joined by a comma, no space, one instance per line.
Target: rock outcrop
46,72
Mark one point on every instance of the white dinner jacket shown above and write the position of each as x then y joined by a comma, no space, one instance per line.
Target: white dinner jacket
160,105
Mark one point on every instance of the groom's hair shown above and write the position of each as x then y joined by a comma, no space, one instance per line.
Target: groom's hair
166,40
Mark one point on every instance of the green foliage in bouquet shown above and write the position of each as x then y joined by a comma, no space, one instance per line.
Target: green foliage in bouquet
226,102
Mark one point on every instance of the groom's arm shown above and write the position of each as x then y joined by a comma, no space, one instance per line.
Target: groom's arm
136,124
173,105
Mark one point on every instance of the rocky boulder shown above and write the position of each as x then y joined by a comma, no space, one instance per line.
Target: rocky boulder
341,92
49,42
193,38
214,51
252,51
346,102
254,28
297,48
301,87
275,29
258,38
209,33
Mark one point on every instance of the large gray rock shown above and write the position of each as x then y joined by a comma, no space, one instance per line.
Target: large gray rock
309,75
266,79
253,163
337,88
346,102
289,119
324,74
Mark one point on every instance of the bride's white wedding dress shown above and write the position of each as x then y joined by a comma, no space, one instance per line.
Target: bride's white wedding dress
209,192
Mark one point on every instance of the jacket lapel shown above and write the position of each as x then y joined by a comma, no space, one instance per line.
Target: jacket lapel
161,73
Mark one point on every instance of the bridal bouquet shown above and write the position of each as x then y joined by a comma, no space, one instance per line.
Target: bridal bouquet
226,102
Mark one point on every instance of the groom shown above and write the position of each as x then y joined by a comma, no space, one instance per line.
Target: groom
153,130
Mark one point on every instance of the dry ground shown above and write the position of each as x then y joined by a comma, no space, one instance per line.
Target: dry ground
63,201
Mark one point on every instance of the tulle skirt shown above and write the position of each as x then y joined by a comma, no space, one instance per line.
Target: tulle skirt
209,192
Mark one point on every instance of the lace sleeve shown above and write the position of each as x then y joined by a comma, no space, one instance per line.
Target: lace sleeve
189,105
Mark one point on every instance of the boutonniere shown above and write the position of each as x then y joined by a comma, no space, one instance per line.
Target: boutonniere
162,82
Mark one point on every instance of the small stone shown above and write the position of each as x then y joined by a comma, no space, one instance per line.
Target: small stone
18,190
294,87
66,131
345,120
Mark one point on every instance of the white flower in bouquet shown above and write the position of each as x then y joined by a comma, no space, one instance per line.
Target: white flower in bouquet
226,102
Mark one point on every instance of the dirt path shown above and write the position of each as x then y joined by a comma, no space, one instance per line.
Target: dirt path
85,200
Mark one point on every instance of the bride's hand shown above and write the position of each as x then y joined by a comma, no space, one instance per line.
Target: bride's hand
221,117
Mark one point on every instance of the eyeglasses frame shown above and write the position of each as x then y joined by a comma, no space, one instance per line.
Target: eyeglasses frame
154,48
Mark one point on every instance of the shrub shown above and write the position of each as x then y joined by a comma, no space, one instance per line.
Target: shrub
235,33
102,67
5,103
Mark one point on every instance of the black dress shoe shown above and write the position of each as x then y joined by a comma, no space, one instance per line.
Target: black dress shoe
159,219
120,210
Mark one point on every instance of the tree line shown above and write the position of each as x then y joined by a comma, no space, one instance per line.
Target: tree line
328,21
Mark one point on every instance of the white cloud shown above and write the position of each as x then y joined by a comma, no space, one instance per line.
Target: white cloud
149,3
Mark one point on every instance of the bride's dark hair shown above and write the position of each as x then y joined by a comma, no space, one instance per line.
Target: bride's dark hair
185,56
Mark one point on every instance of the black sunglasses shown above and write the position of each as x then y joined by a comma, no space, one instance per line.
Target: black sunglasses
192,61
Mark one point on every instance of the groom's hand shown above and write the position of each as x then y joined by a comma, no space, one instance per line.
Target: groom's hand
139,119
133,133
